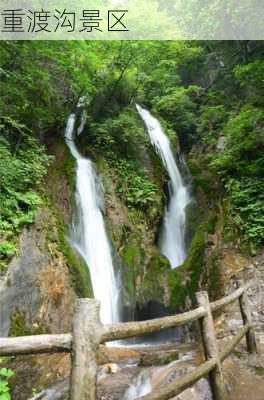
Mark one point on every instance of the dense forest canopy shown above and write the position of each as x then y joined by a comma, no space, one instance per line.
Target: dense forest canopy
205,92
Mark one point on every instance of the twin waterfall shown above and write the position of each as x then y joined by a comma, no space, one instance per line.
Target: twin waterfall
173,231
89,235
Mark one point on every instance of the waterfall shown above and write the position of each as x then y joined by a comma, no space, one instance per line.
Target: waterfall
89,235
173,231
140,387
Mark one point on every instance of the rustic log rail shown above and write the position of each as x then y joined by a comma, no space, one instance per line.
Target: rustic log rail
89,333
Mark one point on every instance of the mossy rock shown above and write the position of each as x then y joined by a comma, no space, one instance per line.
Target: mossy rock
144,276
193,218
133,257
184,281
204,179
200,271
20,327
154,282
79,270
214,277
62,169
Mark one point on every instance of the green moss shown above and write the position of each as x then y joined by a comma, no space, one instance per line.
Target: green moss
160,359
19,327
143,276
196,260
200,270
64,164
204,179
64,169
238,354
193,218
184,280
259,371
79,271
211,224
177,288
133,257
214,281
153,280
68,167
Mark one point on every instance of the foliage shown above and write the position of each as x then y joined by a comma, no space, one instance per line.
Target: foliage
214,19
243,154
19,326
178,107
201,90
23,164
7,249
250,77
79,271
43,79
210,122
193,268
241,166
134,185
118,133
247,207
5,375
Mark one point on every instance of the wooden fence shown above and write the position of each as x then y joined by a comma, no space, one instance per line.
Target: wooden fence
89,333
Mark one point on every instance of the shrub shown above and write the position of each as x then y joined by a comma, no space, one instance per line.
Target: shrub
210,122
247,207
178,107
7,249
135,186
5,375
243,154
23,164
241,167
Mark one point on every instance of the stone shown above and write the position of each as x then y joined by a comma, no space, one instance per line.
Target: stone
37,282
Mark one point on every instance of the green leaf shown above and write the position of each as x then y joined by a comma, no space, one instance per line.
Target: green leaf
6,372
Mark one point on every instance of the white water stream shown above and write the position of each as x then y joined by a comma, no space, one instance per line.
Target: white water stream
173,231
88,234
139,388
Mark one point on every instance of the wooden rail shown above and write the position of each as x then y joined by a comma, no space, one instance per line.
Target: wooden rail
89,333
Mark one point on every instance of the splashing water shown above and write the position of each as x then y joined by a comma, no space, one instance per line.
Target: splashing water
88,232
173,231
139,388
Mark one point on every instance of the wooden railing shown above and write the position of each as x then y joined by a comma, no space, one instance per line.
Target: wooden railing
89,333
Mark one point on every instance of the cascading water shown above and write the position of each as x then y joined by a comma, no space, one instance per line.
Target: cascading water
139,388
88,234
173,232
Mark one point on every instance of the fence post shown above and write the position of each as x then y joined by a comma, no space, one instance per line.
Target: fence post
211,348
246,316
86,337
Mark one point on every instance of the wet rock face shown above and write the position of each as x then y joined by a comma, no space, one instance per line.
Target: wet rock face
132,382
139,265
58,391
113,387
200,391
37,282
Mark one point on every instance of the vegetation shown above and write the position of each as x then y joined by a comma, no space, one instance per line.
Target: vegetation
79,273
5,375
208,94
20,327
23,164
134,186
182,288
241,166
